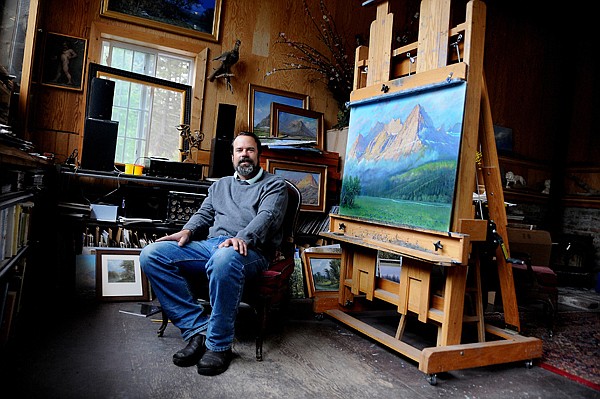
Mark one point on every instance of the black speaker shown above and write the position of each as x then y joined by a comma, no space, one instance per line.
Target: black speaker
220,158
99,145
226,121
100,100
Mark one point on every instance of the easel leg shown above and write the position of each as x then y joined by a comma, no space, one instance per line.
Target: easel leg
401,326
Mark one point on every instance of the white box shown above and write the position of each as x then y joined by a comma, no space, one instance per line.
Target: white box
104,213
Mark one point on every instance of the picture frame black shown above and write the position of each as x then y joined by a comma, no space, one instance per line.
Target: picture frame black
119,275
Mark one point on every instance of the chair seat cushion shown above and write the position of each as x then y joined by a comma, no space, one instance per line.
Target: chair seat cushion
544,274
274,280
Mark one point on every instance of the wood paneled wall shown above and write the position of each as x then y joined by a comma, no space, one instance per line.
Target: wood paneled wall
538,70
57,116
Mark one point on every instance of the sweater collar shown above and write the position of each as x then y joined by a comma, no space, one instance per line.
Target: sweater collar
249,181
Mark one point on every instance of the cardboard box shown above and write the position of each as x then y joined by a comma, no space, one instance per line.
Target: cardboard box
535,243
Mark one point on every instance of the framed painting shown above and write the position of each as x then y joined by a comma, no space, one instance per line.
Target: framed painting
298,124
119,276
311,180
402,158
389,268
194,18
63,62
322,270
259,106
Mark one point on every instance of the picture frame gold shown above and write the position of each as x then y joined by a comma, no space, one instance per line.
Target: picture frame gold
119,275
311,180
298,124
260,99
322,270
197,21
63,61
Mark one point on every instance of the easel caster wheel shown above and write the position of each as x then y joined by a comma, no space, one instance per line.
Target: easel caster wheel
529,364
319,316
432,379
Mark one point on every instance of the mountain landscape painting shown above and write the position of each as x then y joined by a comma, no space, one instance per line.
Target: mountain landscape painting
402,157
311,181
294,123
260,100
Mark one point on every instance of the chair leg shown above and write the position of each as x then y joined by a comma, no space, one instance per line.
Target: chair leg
164,324
262,311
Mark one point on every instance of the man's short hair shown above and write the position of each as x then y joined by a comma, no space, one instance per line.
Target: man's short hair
249,134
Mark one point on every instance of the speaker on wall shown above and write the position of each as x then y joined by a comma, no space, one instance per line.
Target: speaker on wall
225,121
99,145
100,100
220,146
220,158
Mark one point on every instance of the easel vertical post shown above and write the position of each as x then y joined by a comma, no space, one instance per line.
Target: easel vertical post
380,56
496,210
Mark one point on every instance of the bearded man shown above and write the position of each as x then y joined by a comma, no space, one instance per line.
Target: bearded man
230,239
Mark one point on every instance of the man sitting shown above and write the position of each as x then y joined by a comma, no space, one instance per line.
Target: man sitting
230,239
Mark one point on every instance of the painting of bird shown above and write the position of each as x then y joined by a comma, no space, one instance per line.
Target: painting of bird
228,59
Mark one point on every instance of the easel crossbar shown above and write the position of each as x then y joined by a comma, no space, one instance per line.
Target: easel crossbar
432,360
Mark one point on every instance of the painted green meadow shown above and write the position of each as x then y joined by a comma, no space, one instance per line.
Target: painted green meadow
426,215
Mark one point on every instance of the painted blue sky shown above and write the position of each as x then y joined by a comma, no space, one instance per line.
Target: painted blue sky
440,104
262,104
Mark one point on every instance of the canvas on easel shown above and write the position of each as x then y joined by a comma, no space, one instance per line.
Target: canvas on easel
402,157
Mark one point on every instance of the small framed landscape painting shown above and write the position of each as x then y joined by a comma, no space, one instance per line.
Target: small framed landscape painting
119,276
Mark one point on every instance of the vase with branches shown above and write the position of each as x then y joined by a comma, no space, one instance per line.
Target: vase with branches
334,66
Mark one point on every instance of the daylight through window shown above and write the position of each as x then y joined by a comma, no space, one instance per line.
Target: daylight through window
147,115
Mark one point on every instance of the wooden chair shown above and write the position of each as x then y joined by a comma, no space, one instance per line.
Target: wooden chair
270,290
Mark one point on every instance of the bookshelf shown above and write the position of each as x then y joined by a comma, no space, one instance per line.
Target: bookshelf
21,179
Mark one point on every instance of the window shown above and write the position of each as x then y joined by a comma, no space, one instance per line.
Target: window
148,114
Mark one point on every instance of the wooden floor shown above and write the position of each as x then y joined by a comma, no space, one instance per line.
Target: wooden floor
94,351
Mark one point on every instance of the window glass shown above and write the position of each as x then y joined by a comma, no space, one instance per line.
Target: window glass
147,115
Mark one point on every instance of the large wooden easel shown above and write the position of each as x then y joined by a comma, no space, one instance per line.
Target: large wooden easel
381,71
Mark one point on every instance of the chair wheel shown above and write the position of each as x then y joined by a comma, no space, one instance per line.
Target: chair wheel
432,379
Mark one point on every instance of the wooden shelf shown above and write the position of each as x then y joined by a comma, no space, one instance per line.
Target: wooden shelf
516,195
14,156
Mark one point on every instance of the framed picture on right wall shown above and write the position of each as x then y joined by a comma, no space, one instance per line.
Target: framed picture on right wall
311,180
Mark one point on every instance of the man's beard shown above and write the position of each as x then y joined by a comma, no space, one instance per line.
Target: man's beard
245,170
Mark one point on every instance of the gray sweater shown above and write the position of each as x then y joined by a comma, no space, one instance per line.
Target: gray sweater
252,212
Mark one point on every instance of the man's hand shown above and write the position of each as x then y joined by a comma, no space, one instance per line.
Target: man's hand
237,243
182,237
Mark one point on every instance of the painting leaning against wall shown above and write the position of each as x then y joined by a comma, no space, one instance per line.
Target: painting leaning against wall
402,157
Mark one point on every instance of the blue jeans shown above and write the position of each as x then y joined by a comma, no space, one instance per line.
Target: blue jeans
168,266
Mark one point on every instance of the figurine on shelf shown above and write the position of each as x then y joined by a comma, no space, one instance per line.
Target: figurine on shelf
514,180
546,189
192,140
